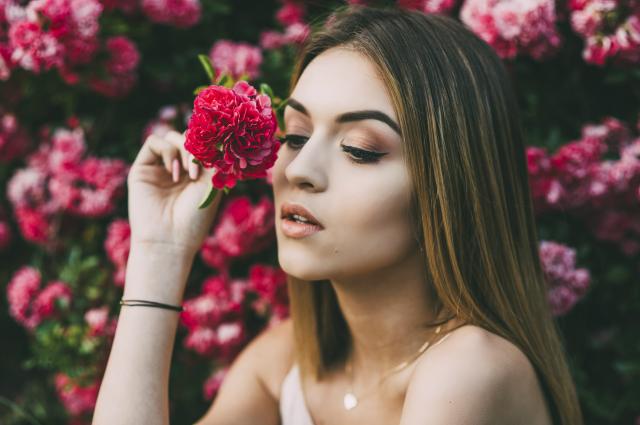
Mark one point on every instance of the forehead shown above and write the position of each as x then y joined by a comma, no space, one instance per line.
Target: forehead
340,80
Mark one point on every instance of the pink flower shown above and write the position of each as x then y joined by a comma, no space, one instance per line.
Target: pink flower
90,191
604,193
55,33
14,140
21,290
202,340
270,39
121,68
212,255
58,180
270,283
610,28
6,64
77,400
291,12
429,6
566,284
619,227
224,341
236,59
296,33
66,151
29,306
231,337
35,226
117,245
33,49
514,27
124,56
27,187
233,131
220,300
98,321
213,383
179,13
242,229
44,303
103,183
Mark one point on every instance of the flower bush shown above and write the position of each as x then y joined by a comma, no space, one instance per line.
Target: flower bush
84,82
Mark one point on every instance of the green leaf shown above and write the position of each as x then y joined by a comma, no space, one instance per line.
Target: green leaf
279,111
282,104
266,89
199,89
204,203
225,81
207,65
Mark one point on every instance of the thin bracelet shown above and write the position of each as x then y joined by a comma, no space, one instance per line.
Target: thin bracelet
145,303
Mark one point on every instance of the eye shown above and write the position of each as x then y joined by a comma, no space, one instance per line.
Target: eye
294,141
360,156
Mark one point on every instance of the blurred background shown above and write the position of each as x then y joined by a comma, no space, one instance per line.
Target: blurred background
84,82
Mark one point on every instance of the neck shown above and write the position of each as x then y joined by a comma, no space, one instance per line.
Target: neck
386,313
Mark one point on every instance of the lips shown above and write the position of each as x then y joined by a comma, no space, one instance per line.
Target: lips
288,209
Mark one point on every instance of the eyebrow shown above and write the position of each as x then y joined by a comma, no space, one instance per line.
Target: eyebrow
352,116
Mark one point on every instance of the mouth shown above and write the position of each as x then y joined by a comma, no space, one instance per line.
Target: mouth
298,214
297,221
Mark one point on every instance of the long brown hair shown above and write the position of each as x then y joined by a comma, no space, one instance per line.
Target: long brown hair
464,149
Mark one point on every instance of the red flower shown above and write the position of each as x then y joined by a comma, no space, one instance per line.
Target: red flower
232,130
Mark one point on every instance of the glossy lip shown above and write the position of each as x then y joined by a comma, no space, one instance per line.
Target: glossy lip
288,208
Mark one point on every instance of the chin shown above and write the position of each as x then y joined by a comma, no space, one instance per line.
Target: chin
297,264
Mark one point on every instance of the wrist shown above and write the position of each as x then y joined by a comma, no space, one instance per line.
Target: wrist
158,247
157,272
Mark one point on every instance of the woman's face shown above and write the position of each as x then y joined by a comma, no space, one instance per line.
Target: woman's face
363,205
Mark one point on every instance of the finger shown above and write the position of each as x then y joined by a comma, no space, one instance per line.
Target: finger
194,169
177,139
175,170
156,147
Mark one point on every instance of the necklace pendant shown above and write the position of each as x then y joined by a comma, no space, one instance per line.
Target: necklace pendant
350,401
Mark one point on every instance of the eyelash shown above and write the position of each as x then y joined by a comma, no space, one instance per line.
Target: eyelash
361,156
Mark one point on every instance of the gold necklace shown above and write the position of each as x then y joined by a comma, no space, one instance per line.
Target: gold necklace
350,401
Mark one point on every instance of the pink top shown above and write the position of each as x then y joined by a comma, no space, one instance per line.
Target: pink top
293,408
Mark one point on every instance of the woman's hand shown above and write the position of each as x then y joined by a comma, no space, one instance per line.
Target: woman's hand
161,209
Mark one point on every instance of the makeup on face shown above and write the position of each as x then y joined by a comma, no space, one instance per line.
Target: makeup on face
361,134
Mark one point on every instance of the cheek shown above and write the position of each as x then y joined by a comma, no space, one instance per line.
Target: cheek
372,224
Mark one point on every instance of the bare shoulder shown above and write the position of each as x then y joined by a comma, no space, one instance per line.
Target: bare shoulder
474,377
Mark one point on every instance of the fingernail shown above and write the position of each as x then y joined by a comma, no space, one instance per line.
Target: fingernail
193,171
176,170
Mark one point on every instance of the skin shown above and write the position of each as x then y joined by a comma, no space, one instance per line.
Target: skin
367,249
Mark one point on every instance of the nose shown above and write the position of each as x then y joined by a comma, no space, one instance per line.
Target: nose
308,168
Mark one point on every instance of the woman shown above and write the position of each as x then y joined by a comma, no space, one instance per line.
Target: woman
416,292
